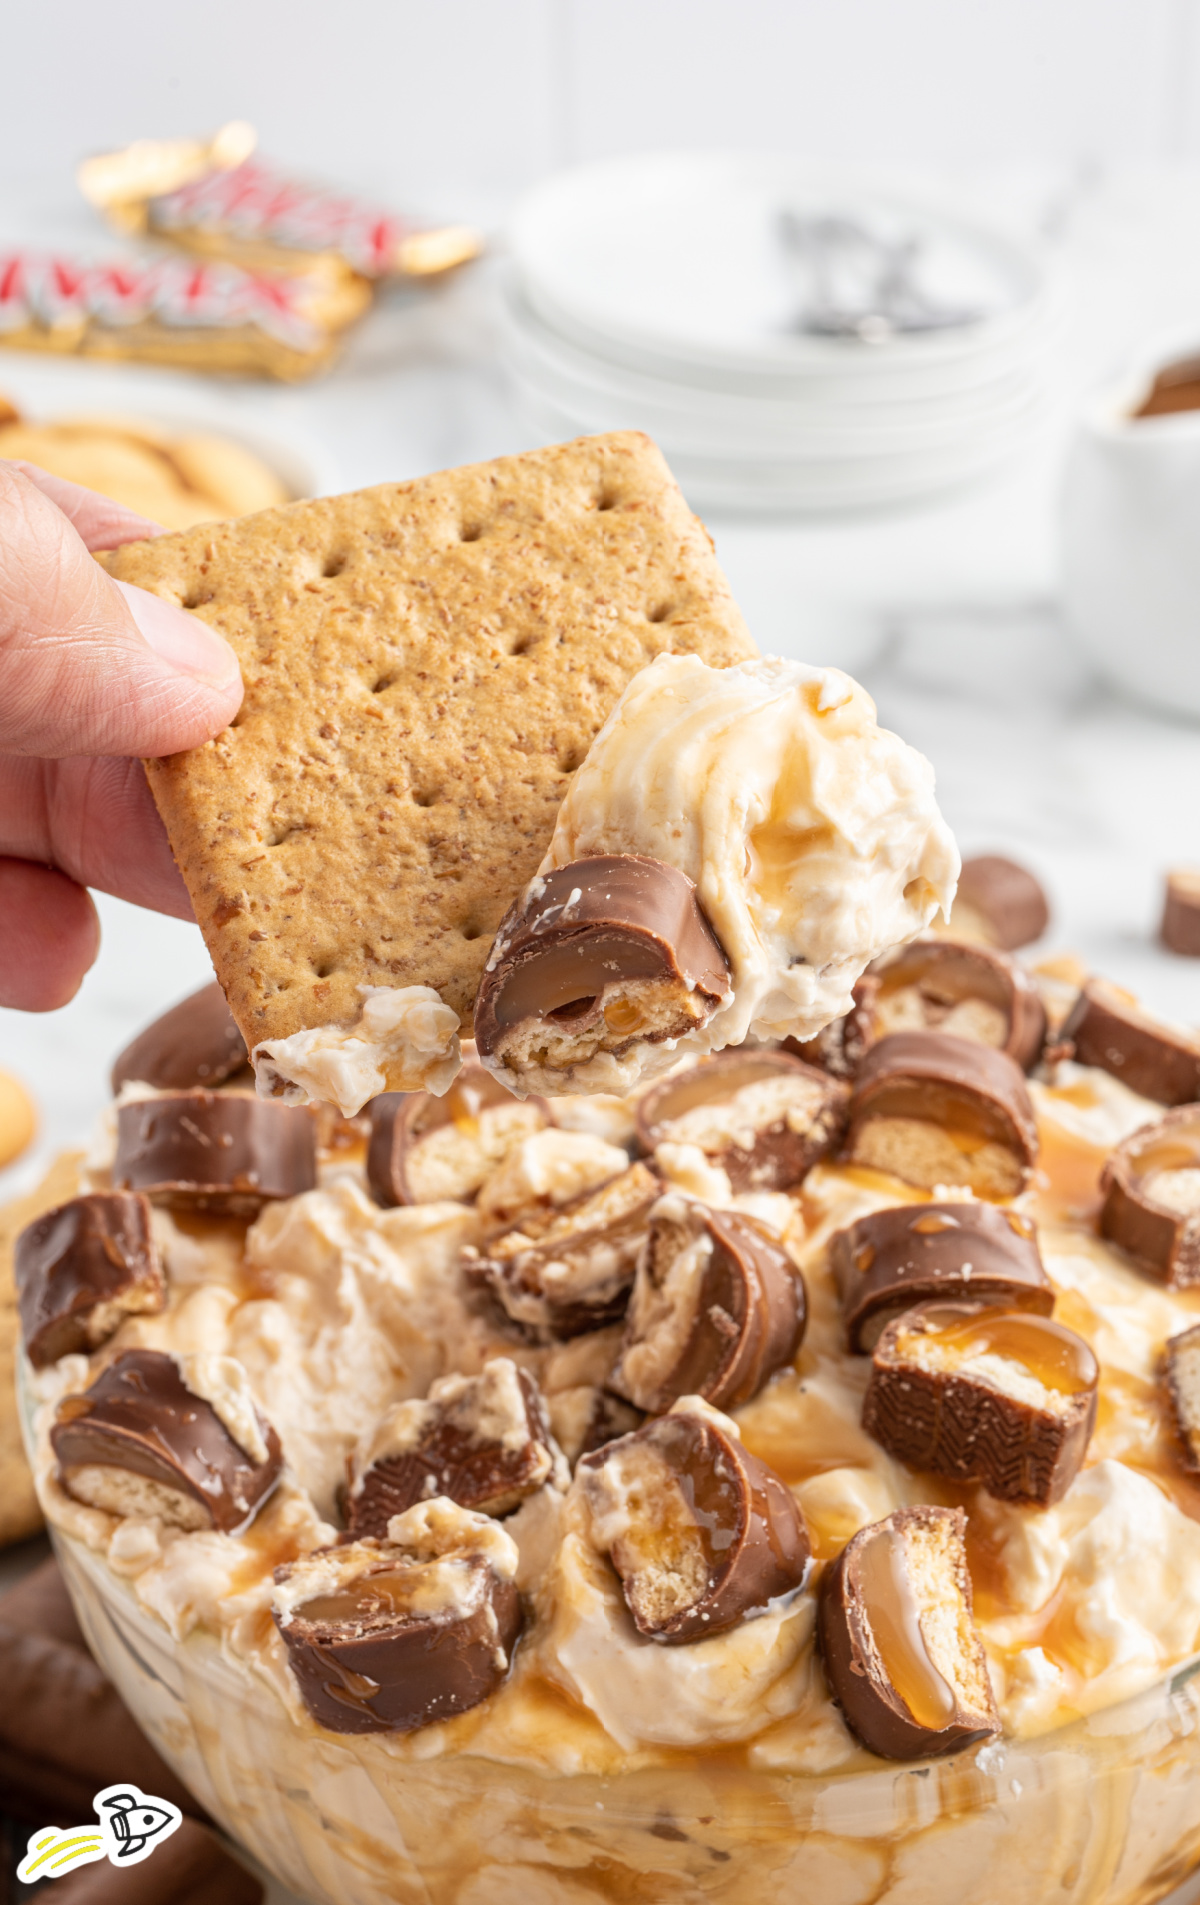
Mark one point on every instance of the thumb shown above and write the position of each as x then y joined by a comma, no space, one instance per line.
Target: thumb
93,666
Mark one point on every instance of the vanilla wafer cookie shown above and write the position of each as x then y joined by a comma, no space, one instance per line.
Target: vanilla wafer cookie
426,664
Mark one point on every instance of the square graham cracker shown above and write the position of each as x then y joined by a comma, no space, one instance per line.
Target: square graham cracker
425,664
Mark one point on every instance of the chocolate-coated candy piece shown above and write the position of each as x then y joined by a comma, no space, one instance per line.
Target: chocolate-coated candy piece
717,1307
1106,1027
561,1272
932,1109
387,1636
210,1150
897,1634
195,1043
892,1259
81,1269
1180,931
707,1534
982,1394
424,1148
483,1441
1151,1187
1181,1378
999,903
971,992
141,1441
763,1116
593,959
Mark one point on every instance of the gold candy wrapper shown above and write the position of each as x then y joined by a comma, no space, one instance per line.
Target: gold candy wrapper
213,198
211,317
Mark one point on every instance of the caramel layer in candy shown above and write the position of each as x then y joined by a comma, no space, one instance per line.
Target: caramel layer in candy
221,1151
196,1043
1181,1378
717,1307
897,1634
932,1109
893,1259
423,1148
998,1396
387,1636
81,1270
594,959
1106,1027
141,1441
1180,930
970,992
483,1441
763,1116
701,1533
999,903
1151,1189
565,1271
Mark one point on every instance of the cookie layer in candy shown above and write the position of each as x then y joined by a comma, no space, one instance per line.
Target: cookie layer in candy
390,1635
424,1148
561,1272
981,1394
1181,1378
180,1439
897,1633
761,1115
594,959
483,1441
82,1269
208,1150
969,992
933,1109
893,1259
1107,1027
717,1307
701,1533
1180,930
999,903
1152,1197
195,1044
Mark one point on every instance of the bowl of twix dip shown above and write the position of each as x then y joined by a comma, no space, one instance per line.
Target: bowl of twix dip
614,1355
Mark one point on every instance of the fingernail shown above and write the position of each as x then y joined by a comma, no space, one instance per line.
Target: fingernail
183,641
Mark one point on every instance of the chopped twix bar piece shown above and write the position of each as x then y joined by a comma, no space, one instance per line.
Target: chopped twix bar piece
1180,930
483,1441
424,1148
763,1116
897,1632
1181,1377
561,1272
932,1110
717,1307
82,1269
195,1044
998,1396
214,1150
893,1259
970,992
1152,1197
426,664
385,1636
596,960
702,1534
998,903
1107,1027
177,1438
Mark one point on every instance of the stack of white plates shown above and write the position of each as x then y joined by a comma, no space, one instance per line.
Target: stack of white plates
794,341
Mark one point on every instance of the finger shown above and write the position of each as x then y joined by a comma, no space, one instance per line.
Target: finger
49,936
93,666
96,820
99,522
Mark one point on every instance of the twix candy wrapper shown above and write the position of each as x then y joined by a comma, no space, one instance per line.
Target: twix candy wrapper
214,198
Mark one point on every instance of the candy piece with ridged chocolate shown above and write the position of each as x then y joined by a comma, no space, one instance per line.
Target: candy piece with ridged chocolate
897,1634
970,992
983,1394
1107,1027
932,1109
763,1116
892,1259
195,1044
1151,1208
215,1150
179,1439
82,1269
424,1148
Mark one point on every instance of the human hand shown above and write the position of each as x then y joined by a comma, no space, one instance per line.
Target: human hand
93,675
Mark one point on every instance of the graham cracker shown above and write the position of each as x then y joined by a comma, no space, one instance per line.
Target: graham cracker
426,664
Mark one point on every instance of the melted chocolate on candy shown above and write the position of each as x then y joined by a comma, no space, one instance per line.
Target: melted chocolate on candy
82,1269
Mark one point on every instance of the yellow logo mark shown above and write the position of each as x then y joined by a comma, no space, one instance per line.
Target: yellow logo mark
132,1825
55,1851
